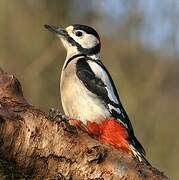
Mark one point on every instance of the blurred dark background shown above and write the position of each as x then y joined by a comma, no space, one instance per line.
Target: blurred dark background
140,47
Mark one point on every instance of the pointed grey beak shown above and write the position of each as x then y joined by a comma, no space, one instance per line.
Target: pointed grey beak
56,30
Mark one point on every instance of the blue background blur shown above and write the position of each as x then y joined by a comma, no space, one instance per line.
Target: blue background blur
140,47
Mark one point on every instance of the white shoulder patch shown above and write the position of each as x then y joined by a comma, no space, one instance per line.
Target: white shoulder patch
101,73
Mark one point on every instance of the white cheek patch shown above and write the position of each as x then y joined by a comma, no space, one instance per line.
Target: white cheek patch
86,41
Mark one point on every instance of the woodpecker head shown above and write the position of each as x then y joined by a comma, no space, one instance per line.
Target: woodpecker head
78,39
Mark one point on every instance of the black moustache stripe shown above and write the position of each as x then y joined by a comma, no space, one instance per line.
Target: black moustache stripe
88,51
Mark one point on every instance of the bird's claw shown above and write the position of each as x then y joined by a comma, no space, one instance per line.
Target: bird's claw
56,115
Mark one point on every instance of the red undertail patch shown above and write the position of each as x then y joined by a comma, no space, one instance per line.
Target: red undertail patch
109,131
112,132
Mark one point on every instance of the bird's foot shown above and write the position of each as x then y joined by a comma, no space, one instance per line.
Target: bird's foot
72,124
56,115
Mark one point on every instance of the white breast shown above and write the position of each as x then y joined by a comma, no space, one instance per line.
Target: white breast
77,101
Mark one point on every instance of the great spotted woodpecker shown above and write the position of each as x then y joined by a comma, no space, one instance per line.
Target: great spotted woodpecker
88,93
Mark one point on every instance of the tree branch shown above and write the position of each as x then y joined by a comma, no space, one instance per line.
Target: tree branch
45,149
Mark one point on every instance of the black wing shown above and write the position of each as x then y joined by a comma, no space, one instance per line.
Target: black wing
92,82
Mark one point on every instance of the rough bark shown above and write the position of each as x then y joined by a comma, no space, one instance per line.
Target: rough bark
45,149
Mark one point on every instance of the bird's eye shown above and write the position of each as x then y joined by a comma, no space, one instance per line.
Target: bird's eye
78,33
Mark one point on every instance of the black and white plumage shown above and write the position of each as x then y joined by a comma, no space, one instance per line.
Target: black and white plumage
87,90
